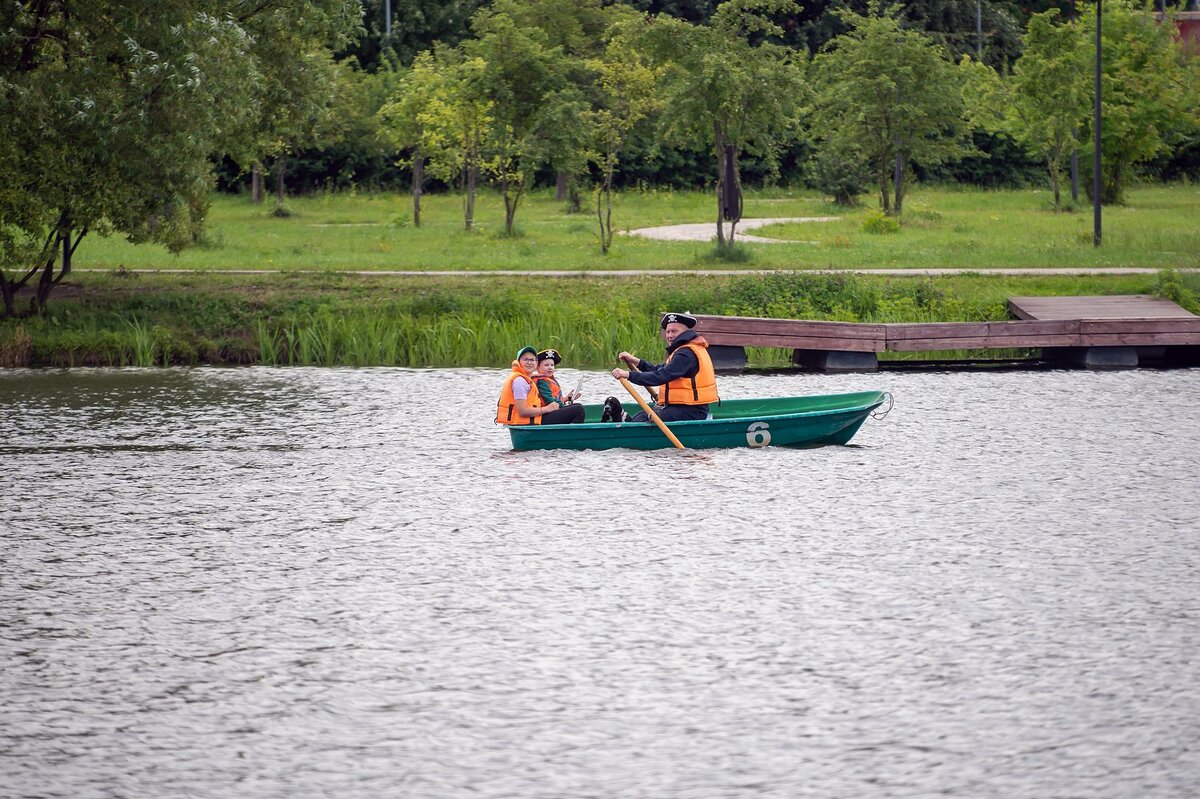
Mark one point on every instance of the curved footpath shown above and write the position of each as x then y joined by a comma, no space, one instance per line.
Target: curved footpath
703,231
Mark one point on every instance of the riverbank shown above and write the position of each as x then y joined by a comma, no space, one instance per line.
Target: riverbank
130,319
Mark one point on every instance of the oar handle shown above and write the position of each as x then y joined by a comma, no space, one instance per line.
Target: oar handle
649,389
650,412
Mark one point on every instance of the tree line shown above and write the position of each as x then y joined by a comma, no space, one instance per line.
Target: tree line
118,117
564,85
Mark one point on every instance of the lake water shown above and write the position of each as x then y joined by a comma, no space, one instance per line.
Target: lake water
303,582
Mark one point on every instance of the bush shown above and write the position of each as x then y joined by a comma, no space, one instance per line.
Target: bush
841,176
880,223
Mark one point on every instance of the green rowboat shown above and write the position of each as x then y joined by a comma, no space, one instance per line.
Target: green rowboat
778,422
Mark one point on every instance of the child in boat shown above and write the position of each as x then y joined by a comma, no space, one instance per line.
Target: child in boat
550,391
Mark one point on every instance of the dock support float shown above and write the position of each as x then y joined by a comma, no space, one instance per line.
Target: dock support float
727,358
1093,357
836,360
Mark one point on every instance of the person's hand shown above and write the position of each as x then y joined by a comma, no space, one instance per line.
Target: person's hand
574,395
620,374
629,358
553,406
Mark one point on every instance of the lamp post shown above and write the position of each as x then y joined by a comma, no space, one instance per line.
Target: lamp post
387,18
1096,136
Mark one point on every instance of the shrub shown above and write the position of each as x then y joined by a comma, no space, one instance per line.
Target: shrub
841,176
878,222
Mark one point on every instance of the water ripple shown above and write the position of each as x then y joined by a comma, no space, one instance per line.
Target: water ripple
282,582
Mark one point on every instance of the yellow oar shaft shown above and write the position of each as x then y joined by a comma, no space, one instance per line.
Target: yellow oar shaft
650,411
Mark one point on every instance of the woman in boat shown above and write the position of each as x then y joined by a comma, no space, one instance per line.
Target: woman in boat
689,383
519,403
549,390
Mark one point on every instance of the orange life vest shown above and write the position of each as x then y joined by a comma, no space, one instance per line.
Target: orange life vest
506,408
555,388
701,388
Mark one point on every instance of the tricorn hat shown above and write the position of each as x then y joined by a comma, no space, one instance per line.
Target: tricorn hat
551,354
685,319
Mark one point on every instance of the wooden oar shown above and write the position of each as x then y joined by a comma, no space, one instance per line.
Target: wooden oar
649,389
650,411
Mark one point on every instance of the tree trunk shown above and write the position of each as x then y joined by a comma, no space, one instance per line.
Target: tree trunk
256,184
280,185
67,249
885,188
9,293
604,201
418,178
45,283
1075,175
561,185
471,178
719,140
899,183
732,193
510,209
1052,168
574,201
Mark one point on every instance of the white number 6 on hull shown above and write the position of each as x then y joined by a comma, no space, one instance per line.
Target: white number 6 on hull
758,434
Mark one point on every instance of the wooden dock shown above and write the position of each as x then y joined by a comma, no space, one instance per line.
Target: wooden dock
1107,332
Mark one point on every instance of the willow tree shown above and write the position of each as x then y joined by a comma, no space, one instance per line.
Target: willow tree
109,118
727,87
895,95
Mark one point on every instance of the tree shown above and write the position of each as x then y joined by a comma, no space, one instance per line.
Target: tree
895,94
1146,101
454,118
727,87
299,81
1049,96
406,118
525,82
578,28
109,119
626,96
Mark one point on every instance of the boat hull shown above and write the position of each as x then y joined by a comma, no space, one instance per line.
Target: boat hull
778,422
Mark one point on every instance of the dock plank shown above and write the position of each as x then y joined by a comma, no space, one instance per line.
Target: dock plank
1114,306
1047,322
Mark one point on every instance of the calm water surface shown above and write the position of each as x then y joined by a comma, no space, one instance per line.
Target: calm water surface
292,583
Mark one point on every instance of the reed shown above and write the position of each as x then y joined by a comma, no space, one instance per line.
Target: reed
142,347
429,322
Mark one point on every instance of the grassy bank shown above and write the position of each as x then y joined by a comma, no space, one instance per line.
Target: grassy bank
958,227
329,319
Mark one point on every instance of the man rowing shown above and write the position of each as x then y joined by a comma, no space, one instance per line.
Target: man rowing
687,378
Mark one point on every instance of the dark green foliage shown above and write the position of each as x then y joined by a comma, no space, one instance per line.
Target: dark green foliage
690,10
1002,163
802,296
841,176
1179,287
416,25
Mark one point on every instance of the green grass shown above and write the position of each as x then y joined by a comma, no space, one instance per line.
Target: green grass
942,227
340,319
